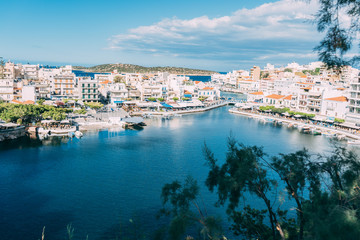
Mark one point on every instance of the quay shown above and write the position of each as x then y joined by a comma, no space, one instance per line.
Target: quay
251,114
188,111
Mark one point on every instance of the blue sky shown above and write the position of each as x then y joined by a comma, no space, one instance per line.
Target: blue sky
207,34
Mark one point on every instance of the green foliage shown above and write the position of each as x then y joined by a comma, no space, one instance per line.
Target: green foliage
287,70
181,197
94,105
119,79
151,99
25,114
175,98
40,101
80,111
306,115
130,68
323,191
160,99
340,34
185,99
273,109
311,72
339,120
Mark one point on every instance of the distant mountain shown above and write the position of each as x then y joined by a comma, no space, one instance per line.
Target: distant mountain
130,68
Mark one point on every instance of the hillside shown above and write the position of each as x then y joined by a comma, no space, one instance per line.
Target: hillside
130,68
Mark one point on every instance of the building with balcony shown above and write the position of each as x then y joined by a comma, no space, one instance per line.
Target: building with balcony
64,86
6,89
335,107
353,114
88,89
118,93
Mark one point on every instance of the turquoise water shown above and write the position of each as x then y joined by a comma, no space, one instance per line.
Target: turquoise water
101,181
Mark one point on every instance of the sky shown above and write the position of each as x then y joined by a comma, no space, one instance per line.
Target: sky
205,34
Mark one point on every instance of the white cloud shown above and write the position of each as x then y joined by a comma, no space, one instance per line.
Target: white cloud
269,30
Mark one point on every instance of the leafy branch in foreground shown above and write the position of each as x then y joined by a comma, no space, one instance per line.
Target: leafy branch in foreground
323,192
339,19
181,203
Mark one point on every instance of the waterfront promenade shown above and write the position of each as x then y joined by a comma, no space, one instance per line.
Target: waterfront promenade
187,111
287,120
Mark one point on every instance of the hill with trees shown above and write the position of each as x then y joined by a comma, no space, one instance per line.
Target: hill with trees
130,68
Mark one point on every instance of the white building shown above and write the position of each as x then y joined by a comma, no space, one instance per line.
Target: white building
6,89
118,93
335,107
29,93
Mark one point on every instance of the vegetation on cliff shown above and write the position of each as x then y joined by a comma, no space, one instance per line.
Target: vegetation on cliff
130,68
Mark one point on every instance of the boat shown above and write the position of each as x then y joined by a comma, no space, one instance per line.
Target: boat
78,134
315,131
329,134
305,129
62,131
269,119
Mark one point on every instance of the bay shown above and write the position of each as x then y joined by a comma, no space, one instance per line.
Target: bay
110,181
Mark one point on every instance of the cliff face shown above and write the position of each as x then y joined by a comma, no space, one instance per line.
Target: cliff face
130,68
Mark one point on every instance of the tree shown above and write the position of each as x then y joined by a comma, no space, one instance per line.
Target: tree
94,105
181,197
243,173
323,190
119,79
340,35
175,98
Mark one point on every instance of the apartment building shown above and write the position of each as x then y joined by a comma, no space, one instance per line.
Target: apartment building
6,89
88,89
354,101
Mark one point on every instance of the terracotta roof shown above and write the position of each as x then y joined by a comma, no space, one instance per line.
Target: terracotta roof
288,97
28,102
105,82
337,99
306,88
16,101
187,92
207,88
275,96
340,88
197,82
304,83
257,93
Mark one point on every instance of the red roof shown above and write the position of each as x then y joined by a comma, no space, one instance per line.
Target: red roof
105,82
208,88
257,93
337,99
16,101
197,82
28,102
275,96
288,97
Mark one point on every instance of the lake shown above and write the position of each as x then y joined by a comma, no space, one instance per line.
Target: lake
110,181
